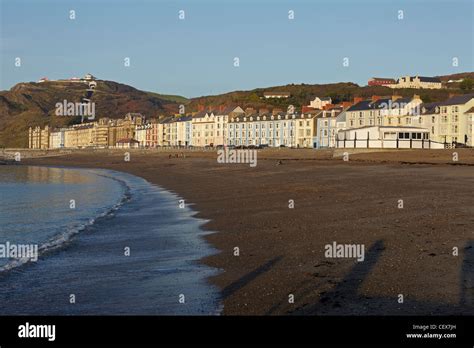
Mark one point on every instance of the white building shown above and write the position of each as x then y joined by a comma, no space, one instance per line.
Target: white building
319,103
326,126
470,126
140,134
454,123
184,131
56,139
386,137
268,129
417,82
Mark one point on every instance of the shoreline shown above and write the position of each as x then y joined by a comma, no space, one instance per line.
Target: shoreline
176,257
249,209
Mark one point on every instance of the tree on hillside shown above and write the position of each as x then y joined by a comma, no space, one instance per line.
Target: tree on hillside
467,84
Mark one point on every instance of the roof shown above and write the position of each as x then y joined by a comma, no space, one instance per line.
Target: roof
429,79
166,120
362,105
382,79
429,108
201,114
268,115
382,103
459,99
470,111
184,118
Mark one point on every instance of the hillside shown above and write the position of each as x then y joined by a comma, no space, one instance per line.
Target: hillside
344,91
33,104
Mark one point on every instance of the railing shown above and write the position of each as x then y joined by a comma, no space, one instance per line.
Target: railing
389,144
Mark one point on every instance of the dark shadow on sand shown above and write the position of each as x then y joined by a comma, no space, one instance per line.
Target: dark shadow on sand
241,282
344,298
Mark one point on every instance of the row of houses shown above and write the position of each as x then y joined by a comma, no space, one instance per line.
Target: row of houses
103,133
392,121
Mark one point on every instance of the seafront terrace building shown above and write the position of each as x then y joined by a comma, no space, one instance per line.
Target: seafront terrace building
38,138
184,131
326,128
272,129
454,122
379,111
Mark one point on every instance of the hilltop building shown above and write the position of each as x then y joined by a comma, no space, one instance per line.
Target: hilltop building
381,81
417,82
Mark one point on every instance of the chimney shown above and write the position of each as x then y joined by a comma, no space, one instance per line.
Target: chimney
262,111
375,98
416,96
201,107
358,99
221,107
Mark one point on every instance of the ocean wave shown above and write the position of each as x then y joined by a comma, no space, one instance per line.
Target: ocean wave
61,240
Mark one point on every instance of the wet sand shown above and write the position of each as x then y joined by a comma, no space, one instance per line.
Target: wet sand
408,251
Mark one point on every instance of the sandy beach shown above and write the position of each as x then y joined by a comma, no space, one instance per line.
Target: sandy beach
408,251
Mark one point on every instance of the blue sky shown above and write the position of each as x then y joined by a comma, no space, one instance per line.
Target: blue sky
195,56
